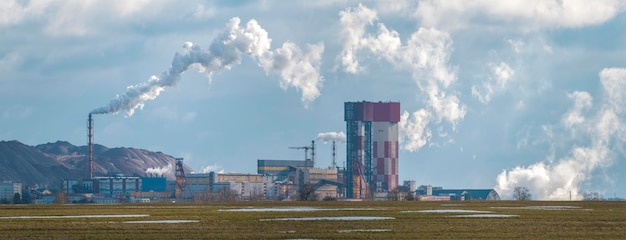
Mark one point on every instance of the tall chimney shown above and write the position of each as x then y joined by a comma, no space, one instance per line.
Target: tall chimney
90,145
334,162
313,152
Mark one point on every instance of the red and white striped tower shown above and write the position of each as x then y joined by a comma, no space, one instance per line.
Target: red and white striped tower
371,147
385,144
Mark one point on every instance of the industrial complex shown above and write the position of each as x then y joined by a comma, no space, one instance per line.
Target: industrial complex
370,172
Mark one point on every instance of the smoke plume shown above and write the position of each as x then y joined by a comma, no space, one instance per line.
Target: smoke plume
162,171
298,68
339,137
213,168
597,134
425,54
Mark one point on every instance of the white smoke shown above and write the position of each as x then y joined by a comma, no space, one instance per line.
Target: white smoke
159,171
413,127
213,168
425,54
599,132
339,137
298,68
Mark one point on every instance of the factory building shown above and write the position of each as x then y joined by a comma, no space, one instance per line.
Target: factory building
429,193
324,181
282,169
284,176
200,182
117,186
8,189
203,186
372,147
153,184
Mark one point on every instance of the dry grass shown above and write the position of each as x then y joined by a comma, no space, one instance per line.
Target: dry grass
587,220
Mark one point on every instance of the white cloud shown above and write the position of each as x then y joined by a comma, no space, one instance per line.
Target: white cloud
582,101
339,137
526,15
204,12
425,55
76,18
517,45
500,75
11,12
395,7
353,24
600,136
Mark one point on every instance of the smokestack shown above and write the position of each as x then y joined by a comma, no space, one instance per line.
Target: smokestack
90,145
334,162
313,152
333,137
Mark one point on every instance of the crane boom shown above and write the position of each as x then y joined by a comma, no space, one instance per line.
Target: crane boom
306,151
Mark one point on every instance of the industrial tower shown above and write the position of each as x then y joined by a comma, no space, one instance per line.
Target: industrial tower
181,180
371,147
90,146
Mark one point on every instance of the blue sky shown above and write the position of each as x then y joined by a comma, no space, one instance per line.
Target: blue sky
494,95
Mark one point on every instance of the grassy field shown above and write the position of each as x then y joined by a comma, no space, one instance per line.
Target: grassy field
262,220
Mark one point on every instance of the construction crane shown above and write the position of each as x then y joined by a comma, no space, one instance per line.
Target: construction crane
306,151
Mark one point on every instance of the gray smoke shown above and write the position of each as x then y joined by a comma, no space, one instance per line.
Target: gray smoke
297,67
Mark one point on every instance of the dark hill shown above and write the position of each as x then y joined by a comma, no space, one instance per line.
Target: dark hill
48,164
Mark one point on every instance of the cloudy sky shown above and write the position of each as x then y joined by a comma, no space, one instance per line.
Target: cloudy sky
493,94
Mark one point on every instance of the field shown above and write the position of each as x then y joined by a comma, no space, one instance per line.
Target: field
317,220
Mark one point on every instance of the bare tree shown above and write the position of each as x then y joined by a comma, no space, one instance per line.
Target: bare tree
594,196
17,198
226,194
521,193
307,192
256,196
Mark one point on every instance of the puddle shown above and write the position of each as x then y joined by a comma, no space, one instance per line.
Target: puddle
294,209
364,230
355,218
542,207
447,211
487,216
290,231
164,221
77,216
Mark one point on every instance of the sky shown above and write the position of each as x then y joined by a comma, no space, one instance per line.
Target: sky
496,95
